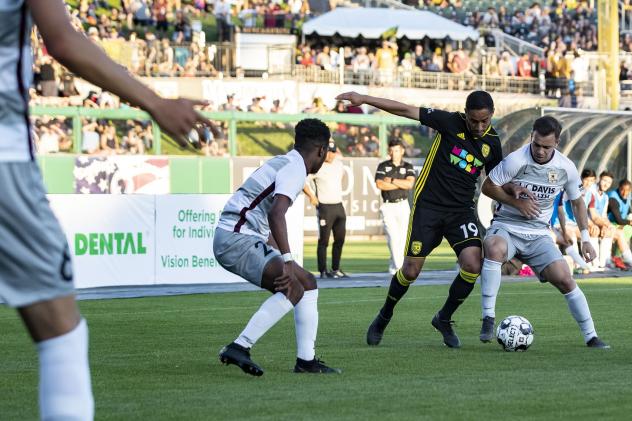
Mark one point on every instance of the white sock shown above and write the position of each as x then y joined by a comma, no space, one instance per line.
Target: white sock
605,250
271,311
627,257
306,324
490,284
574,253
578,306
595,243
65,390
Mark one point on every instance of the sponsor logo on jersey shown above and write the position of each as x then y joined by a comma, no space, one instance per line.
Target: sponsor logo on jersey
415,247
402,170
485,150
461,136
109,243
465,160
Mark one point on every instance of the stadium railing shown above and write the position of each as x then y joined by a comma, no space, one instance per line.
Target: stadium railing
428,80
382,121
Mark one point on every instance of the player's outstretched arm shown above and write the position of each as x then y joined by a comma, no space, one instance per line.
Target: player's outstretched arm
581,215
528,207
388,105
81,56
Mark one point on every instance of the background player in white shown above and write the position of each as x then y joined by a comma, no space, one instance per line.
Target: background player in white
35,268
543,170
251,241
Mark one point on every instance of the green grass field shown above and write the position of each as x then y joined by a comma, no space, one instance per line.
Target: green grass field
156,359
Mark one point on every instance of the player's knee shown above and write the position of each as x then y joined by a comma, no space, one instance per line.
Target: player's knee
470,270
409,273
310,282
565,284
495,249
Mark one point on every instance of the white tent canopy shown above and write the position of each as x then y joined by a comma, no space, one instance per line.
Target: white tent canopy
372,22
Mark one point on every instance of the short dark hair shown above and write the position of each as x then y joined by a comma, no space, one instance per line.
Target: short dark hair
479,100
395,142
311,132
588,173
606,174
624,182
546,125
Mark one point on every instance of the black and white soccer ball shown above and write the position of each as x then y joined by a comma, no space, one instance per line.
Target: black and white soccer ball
515,333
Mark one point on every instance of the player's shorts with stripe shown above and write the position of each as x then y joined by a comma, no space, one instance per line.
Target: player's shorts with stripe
35,260
243,254
537,251
427,227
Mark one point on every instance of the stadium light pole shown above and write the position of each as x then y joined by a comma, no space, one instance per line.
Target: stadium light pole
608,33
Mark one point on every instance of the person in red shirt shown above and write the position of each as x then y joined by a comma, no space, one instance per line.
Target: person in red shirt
524,66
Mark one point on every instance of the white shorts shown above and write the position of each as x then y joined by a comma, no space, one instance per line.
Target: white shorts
35,260
537,251
243,254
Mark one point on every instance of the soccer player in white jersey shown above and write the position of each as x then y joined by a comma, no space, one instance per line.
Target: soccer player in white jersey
35,269
516,231
251,241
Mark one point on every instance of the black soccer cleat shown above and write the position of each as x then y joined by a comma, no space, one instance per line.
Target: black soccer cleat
595,342
314,366
445,328
338,274
240,356
376,330
487,329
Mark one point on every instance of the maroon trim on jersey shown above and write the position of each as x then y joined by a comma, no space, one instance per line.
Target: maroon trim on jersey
21,86
258,199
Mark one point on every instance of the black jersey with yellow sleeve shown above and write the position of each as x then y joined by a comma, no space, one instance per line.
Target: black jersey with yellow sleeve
447,180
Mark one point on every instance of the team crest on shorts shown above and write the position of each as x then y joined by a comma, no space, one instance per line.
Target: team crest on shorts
485,150
552,176
415,247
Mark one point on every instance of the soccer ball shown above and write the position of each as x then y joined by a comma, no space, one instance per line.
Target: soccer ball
515,333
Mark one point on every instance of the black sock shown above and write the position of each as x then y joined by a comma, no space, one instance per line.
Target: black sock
395,292
459,291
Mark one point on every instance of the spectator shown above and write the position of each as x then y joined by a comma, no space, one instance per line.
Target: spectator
524,66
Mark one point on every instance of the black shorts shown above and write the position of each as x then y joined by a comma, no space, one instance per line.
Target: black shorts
427,227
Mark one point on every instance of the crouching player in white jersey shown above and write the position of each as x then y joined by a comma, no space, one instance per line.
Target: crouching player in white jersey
544,171
251,241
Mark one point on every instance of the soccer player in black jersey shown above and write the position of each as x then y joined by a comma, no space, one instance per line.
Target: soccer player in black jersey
465,144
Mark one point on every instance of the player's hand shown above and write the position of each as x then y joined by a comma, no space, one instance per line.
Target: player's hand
287,282
588,252
353,97
527,207
178,116
593,231
518,192
314,201
388,180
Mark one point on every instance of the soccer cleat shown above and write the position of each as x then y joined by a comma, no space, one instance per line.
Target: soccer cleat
240,356
445,328
325,275
618,263
487,329
595,342
314,366
376,330
338,274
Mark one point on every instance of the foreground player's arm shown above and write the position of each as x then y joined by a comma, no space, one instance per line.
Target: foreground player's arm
527,207
276,220
388,105
579,210
81,56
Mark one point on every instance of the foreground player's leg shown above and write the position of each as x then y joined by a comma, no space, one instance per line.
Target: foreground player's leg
306,324
400,282
490,285
495,254
557,273
271,311
65,390
470,267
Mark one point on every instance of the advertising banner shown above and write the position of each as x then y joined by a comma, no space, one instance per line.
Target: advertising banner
111,237
146,239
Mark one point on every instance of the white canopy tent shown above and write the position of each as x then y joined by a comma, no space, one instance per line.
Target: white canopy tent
372,22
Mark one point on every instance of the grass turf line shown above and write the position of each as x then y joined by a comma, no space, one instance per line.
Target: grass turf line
156,358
